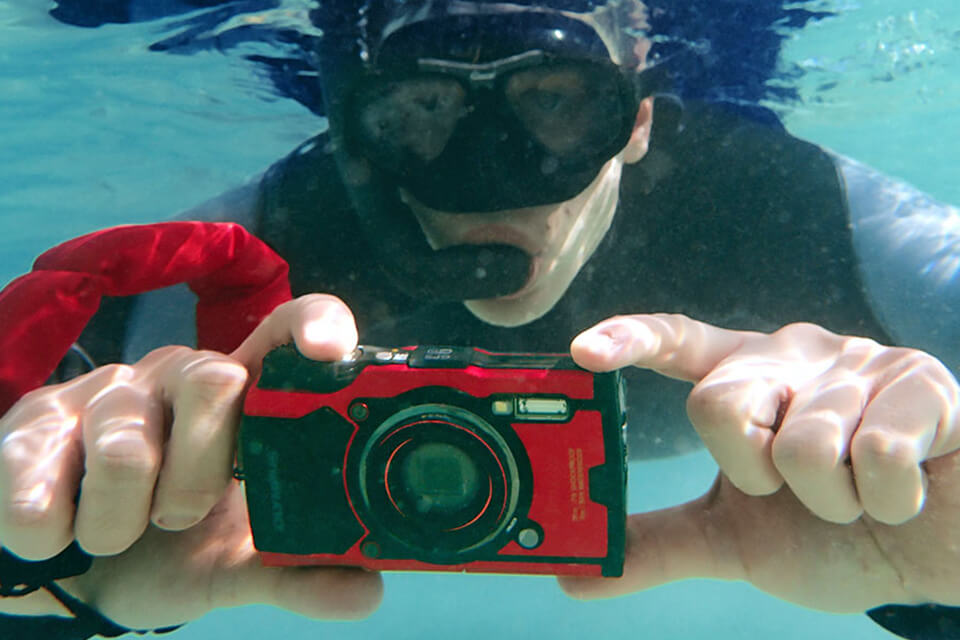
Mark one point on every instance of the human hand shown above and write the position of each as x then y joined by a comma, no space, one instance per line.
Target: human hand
151,447
839,471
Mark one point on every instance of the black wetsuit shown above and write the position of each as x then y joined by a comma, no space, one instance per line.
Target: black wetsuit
727,219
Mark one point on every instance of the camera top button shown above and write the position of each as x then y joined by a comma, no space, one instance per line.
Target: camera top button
390,356
436,357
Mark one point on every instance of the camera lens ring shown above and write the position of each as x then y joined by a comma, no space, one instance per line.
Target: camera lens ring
436,538
453,507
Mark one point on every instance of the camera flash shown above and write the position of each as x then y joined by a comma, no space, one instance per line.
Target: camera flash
542,407
532,408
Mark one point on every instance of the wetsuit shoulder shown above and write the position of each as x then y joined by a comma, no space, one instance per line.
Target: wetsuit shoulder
908,249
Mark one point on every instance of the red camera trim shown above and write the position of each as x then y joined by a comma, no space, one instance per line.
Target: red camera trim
387,380
271,559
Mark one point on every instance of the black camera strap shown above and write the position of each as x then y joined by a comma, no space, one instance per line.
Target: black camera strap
19,577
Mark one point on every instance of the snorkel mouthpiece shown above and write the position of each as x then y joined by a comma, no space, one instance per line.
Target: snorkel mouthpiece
467,272
461,272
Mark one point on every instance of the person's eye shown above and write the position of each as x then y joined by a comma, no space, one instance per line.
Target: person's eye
440,100
551,93
549,100
544,102
430,102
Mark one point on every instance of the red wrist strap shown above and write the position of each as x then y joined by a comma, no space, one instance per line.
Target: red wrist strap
237,278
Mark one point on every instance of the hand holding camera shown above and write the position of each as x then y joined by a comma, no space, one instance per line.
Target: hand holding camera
155,442
838,464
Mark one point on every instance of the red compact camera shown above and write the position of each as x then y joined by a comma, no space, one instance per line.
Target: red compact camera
436,458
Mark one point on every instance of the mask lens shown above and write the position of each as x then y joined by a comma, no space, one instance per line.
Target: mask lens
408,120
573,109
569,108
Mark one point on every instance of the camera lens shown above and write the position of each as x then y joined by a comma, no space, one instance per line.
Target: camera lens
440,480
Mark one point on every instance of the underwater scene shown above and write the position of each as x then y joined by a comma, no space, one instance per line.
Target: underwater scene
492,178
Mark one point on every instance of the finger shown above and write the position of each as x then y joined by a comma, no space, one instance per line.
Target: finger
40,469
812,447
123,431
671,344
664,546
205,390
940,389
735,415
899,426
321,325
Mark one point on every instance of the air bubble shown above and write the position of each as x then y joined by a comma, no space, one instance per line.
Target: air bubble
549,165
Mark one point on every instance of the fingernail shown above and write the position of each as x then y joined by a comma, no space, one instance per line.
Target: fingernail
608,340
330,329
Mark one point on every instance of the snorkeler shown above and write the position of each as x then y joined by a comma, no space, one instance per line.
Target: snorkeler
511,176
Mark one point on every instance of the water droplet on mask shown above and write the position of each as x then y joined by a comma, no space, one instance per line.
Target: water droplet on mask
549,165
480,273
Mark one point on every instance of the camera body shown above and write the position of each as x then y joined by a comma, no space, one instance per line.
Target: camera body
436,458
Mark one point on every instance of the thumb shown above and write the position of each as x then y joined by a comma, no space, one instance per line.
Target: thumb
339,593
240,578
321,325
686,541
323,593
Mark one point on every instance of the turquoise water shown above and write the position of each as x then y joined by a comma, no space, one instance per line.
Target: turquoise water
97,131
882,86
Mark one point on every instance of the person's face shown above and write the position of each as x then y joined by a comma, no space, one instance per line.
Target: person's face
560,238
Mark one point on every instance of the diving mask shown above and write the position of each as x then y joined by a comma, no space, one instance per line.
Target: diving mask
474,120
